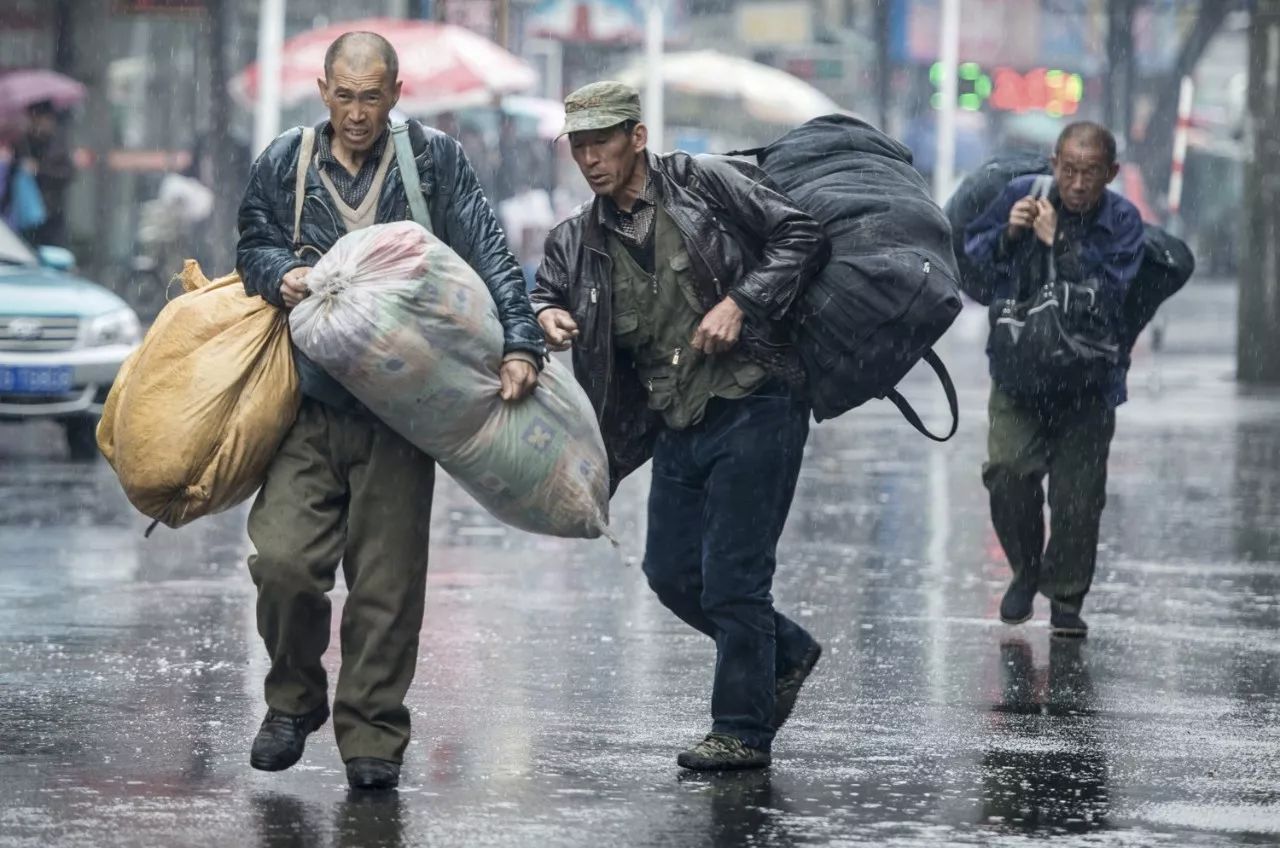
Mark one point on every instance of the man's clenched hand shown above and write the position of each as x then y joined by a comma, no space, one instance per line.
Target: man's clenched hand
559,328
519,379
1022,217
293,287
720,328
1046,222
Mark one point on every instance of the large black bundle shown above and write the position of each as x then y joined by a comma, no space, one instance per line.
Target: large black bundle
1167,264
889,292
1167,261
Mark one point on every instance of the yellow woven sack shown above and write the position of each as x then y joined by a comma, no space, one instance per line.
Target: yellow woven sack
200,408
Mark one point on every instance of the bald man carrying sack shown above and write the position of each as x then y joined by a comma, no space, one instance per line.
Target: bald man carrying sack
345,488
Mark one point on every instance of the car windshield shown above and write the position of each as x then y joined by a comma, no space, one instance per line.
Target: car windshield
13,250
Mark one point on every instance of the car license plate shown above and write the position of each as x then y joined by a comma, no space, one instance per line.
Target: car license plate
35,381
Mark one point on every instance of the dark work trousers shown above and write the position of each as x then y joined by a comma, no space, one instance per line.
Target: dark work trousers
1070,444
720,497
344,488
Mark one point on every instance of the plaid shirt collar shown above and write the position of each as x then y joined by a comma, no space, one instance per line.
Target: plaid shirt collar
352,187
635,226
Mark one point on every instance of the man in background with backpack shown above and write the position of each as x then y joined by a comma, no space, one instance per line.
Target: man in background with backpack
1058,370
344,487
673,289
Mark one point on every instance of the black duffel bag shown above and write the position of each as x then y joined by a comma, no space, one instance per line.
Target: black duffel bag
889,291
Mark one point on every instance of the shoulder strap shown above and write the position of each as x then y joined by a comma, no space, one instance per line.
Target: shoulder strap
913,418
1040,191
409,175
300,181
1040,188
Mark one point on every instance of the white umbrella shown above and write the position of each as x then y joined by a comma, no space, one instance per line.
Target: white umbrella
767,94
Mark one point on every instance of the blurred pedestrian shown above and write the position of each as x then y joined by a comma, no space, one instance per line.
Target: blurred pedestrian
679,337
43,150
1062,252
344,488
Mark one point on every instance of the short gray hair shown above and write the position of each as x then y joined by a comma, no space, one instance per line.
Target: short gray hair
1089,133
364,41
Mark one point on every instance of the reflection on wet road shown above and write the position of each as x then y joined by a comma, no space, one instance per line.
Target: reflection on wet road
553,691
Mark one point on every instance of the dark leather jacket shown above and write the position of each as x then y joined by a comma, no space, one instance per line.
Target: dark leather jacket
746,241
460,217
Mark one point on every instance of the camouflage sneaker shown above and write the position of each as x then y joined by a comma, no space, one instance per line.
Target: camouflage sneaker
722,752
787,688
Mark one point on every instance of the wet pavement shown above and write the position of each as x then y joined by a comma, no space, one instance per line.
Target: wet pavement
553,691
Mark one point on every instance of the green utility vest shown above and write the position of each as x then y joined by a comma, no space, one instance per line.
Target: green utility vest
655,316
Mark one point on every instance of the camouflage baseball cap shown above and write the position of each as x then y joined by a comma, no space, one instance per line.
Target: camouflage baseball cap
599,106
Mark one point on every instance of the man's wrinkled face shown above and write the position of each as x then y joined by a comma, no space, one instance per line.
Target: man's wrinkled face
1083,172
608,158
360,98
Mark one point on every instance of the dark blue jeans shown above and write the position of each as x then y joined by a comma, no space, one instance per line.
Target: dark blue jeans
720,497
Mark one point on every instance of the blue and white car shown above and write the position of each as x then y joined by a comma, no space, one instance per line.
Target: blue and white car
62,340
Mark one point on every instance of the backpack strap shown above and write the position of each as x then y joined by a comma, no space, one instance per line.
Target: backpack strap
1042,186
409,176
913,418
300,181
1040,191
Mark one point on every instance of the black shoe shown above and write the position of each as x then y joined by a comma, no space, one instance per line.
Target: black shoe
373,774
282,737
788,686
1065,621
1018,604
722,752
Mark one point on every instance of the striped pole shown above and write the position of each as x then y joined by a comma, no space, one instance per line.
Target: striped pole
1185,97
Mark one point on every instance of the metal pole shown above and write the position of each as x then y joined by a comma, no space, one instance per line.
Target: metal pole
884,62
226,179
266,113
944,171
1186,97
503,28
655,34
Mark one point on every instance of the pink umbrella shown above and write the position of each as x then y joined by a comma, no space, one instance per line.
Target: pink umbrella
20,89
442,66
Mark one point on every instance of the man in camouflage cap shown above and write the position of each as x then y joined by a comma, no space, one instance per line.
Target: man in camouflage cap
673,290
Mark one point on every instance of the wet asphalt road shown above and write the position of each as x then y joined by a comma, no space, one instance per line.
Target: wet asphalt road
553,691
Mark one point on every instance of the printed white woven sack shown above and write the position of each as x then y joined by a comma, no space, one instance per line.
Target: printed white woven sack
408,327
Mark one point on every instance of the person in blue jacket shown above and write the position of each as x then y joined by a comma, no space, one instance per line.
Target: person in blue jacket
1082,233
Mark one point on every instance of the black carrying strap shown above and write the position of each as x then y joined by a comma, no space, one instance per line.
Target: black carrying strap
913,417
753,152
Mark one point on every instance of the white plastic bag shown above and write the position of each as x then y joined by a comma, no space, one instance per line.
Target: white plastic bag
408,327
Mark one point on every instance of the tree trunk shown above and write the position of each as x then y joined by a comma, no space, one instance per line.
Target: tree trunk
1258,354
1120,68
1155,153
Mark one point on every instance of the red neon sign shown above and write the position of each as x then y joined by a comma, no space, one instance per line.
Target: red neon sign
1054,92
